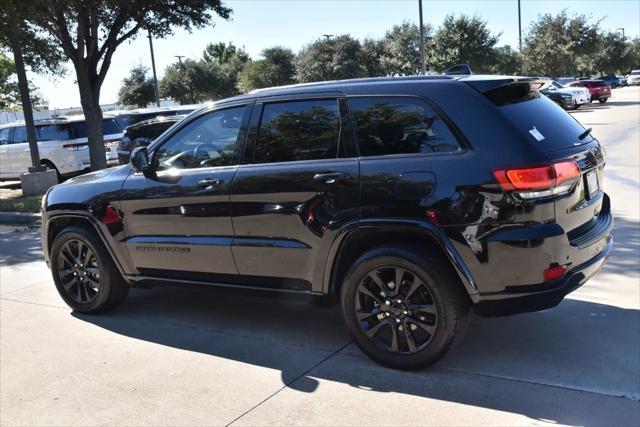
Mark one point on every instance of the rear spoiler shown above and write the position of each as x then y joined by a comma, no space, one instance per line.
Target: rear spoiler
502,90
484,84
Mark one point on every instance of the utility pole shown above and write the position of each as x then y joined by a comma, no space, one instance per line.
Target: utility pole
520,39
179,58
423,63
153,67
621,29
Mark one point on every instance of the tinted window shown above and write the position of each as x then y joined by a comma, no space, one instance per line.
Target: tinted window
4,135
399,126
109,126
301,130
53,132
19,134
210,140
559,129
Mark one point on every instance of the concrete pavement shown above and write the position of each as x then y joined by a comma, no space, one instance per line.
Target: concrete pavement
175,356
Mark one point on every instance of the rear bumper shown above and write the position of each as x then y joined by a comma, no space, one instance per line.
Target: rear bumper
550,295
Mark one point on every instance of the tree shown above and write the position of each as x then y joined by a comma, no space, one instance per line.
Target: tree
614,54
90,31
335,58
463,40
190,82
223,53
560,45
507,61
137,89
276,69
225,61
400,55
9,91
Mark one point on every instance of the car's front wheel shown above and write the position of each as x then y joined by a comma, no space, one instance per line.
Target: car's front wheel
84,273
404,308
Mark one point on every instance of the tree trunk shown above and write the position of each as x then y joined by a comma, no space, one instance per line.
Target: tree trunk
23,86
90,101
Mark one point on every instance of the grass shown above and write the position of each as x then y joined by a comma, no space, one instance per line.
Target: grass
21,204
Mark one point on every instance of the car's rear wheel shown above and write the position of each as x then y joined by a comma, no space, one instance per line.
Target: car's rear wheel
602,100
48,164
84,273
404,309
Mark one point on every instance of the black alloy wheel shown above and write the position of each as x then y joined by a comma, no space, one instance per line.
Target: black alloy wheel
396,310
79,271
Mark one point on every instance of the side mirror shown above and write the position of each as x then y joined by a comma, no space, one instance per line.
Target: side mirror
140,160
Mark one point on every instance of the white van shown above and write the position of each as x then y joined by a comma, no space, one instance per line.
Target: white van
62,143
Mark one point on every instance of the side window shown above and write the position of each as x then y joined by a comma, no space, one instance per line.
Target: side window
19,135
208,141
398,125
4,135
52,132
300,130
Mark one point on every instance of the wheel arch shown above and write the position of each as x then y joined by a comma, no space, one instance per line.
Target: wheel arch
356,238
58,221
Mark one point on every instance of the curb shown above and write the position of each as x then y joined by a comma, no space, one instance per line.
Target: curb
13,218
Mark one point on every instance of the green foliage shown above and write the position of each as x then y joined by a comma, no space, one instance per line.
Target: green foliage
560,45
400,49
339,57
614,54
506,61
9,92
276,69
137,89
223,53
463,40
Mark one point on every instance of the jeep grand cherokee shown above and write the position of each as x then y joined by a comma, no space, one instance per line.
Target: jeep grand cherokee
412,200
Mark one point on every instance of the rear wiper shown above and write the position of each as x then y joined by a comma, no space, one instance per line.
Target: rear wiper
584,134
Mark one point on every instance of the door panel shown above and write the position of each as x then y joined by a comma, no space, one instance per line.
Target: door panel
18,151
177,222
285,220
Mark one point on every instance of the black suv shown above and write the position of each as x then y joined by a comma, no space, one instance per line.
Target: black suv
142,134
411,200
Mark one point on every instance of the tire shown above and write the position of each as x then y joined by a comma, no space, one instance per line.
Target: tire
602,100
439,304
575,105
51,166
83,296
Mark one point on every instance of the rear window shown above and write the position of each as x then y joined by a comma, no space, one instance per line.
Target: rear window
19,134
399,125
300,130
545,124
597,83
53,132
109,126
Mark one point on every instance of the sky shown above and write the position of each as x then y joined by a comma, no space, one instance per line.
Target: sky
258,24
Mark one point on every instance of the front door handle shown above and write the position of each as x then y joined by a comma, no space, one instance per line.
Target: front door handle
210,182
332,177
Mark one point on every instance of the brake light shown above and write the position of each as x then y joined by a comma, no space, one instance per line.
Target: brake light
111,215
538,181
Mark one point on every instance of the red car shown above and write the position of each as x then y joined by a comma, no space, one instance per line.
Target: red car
599,89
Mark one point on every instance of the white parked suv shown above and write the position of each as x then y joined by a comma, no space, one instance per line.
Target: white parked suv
580,95
634,78
62,143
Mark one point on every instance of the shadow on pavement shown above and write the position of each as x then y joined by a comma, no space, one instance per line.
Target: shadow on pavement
20,246
625,255
210,321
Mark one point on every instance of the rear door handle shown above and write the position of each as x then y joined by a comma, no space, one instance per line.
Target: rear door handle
330,178
210,182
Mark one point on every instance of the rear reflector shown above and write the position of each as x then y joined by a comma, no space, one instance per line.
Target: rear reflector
111,215
537,178
554,273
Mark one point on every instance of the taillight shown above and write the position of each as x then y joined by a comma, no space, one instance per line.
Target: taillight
539,181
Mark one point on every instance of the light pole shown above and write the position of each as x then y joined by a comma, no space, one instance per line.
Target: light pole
520,39
179,58
423,64
621,29
327,36
153,67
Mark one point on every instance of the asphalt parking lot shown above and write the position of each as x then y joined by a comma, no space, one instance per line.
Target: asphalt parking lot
174,356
